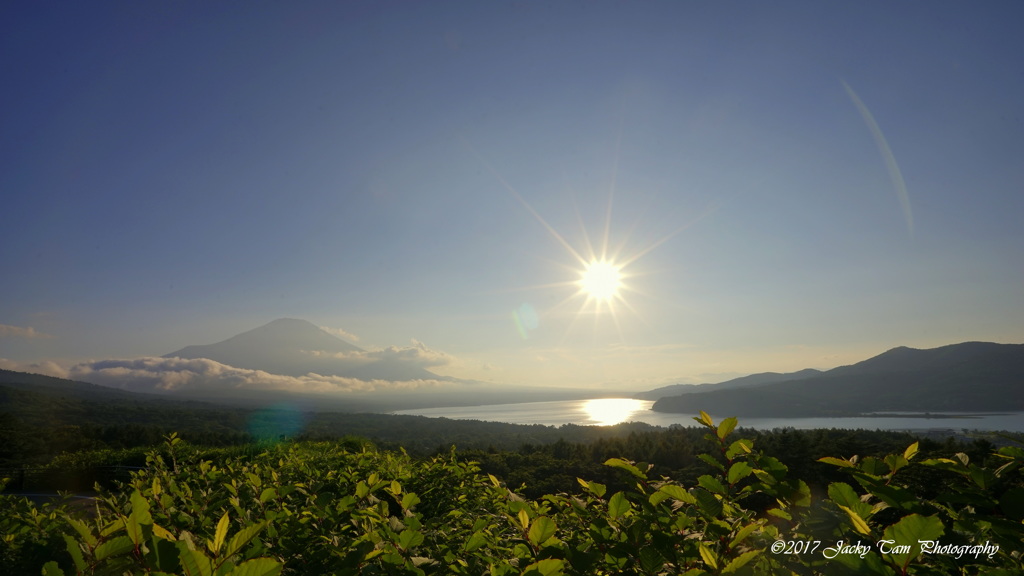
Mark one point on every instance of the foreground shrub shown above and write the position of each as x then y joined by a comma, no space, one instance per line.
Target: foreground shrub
327,508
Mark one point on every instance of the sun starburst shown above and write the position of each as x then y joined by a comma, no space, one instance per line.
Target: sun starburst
598,273
600,280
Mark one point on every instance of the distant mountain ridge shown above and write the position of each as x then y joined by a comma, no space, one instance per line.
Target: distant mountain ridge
294,347
66,388
741,382
971,376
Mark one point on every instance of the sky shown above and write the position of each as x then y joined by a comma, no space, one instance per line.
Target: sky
781,185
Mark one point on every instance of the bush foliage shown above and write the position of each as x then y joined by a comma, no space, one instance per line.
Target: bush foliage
346,508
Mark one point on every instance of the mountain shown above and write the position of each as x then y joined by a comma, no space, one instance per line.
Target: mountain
48,401
61,388
971,376
295,347
741,382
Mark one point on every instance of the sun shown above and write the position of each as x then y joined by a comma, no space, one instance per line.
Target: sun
602,273
601,280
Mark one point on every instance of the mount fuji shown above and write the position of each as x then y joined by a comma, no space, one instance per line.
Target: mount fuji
295,347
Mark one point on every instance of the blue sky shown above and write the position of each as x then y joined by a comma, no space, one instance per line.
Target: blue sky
175,174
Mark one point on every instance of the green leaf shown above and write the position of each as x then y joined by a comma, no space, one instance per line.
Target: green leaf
219,535
678,493
944,464
409,539
524,518
725,427
801,495
258,567
51,569
651,560
911,530
982,477
710,460
76,553
873,466
267,495
476,541
623,465
657,498
705,419
895,462
161,532
595,488
541,529
618,505
738,471
707,502
708,555
741,446
409,500
897,496
131,526
742,534
87,536
242,538
711,484
193,562
162,554
836,462
740,561
140,509
858,523
116,547
548,567
776,469
842,493
362,490
911,451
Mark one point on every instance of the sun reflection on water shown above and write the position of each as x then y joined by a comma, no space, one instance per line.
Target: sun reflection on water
610,411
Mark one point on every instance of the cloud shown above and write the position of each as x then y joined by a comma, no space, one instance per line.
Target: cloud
355,356
20,332
46,367
340,333
416,355
174,375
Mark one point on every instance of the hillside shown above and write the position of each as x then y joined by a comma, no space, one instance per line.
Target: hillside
972,376
741,382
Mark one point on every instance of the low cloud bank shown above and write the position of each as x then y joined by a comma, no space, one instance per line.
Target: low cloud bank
179,375
416,355
340,333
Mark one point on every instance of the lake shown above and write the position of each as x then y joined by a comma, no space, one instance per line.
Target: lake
609,411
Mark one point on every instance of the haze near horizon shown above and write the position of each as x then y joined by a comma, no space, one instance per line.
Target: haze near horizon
607,196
